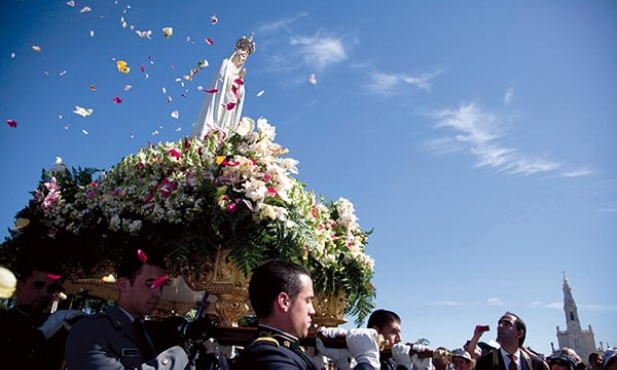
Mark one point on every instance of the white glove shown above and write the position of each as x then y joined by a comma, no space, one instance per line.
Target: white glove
421,363
363,346
341,357
400,353
57,321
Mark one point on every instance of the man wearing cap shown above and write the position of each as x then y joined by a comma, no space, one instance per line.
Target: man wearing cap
610,359
561,361
461,360
511,331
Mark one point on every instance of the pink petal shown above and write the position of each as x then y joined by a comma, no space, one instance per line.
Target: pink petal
142,256
209,41
230,106
11,123
238,81
53,277
143,69
117,100
158,282
214,20
212,91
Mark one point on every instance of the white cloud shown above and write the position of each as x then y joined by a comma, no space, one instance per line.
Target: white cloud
607,210
495,302
319,51
279,24
389,84
558,305
478,132
551,305
598,307
578,172
447,303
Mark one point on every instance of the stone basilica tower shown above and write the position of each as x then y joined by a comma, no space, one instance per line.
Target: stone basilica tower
582,341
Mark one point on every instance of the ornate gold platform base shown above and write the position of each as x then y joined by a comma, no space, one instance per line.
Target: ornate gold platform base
330,309
227,282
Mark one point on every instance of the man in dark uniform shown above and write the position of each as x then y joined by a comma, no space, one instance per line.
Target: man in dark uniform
281,294
117,339
29,335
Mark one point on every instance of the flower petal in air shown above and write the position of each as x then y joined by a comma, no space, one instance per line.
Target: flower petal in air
167,32
84,112
312,79
209,41
175,114
36,48
123,66
220,159
142,68
85,9
230,105
53,277
117,100
11,123
214,20
238,81
159,282
212,91
260,93
142,256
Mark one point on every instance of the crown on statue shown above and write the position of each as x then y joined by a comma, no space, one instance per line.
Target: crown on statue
246,43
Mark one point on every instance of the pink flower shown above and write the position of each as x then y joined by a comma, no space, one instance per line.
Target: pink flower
174,153
232,208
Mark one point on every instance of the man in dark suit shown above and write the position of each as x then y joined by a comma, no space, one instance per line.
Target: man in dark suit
511,332
281,294
117,339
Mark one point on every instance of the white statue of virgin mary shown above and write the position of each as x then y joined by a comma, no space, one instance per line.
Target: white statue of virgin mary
222,107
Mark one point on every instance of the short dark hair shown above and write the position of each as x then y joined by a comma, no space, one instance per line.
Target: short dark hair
131,264
520,325
381,318
270,279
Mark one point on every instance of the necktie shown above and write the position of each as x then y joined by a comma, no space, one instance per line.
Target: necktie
146,350
512,365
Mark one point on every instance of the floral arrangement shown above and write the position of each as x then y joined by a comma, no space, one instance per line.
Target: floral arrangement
187,198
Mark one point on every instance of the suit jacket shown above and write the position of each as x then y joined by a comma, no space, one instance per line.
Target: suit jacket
109,341
493,360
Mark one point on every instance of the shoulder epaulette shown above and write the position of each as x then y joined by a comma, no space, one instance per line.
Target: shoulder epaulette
269,340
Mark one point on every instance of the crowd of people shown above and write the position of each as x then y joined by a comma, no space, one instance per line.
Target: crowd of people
281,295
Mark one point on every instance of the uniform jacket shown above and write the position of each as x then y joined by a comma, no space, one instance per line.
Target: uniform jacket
273,349
21,343
109,341
493,360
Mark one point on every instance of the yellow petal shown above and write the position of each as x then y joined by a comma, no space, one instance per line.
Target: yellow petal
220,159
20,223
168,31
7,283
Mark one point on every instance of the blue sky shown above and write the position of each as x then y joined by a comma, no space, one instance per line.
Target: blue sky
477,140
